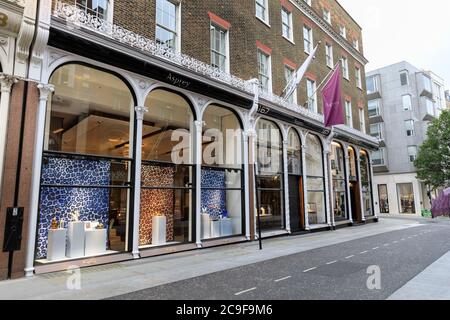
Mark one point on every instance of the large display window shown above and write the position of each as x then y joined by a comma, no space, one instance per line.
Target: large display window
296,198
222,174
269,176
315,181
406,201
339,182
366,183
383,198
168,171
87,164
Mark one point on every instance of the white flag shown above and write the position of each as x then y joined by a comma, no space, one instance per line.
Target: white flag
298,75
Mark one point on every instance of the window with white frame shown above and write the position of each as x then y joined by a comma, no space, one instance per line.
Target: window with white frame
167,23
262,10
286,24
356,44
374,108
329,55
343,31
404,81
376,130
344,62
307,39
327,15
358,77
372,84
426,82
288,74
348,113
96,8
311,94
264,71
362,121
219,47
430,106
407,102
412,153
409,127
437,93
378,157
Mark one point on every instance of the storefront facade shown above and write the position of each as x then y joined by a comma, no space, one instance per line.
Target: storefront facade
142,151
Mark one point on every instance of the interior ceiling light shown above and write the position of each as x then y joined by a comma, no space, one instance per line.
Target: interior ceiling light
58,130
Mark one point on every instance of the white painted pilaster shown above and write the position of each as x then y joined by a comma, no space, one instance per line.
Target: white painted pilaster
198,172
347,182
358,165
140,112
45,93
328,182
305,181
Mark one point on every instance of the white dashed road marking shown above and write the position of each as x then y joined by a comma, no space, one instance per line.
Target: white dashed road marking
245,291
282,279
376,248
364,252
331,262
310,269
349,257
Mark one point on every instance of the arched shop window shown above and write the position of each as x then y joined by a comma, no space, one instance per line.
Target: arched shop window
366,183
168,172
295,181
269,175
339,184
353,174
315,181
222,174
86,165
294,153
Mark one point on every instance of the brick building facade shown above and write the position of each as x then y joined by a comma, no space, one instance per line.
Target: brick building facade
111,56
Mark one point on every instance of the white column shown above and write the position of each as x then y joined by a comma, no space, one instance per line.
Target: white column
305,183
358,164
286,186
198,172
347,182
328,190
140,112
45,91
6,83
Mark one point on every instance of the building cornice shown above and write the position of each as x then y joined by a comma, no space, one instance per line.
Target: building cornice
328,29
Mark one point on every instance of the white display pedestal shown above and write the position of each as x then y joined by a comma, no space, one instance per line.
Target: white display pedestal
159,230
226,227
75,239
215,229
95,242
56,246
206,226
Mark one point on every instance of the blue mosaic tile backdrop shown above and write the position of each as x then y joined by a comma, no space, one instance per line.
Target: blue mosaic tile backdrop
213,200
93,204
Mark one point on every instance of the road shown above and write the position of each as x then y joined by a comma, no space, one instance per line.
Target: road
330,273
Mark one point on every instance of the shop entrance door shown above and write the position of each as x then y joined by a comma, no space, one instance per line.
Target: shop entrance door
355,202
296,213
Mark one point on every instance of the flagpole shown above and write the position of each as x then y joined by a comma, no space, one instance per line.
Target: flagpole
324,80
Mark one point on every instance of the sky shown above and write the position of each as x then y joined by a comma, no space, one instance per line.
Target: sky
413,30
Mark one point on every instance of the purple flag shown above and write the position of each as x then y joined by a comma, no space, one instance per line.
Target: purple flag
332,102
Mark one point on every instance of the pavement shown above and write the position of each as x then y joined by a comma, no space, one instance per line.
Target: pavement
327,265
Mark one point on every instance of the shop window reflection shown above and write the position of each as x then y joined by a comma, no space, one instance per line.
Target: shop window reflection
222,174
339,183
86,165
167,171
366,183
269,176
315,183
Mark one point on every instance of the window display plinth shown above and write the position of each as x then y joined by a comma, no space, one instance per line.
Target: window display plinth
75,239
206,226
226,227
159,224
56,246
95,242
